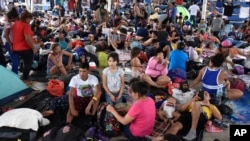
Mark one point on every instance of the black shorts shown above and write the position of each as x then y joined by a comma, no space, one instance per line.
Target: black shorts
186,121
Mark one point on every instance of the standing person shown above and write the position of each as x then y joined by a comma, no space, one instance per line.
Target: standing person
137,13
84,93
139,120
2,57
178,58
113,79
217,25
172,13
12,16
22,42
194,9
78,8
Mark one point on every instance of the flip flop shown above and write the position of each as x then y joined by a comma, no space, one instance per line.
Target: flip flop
212,129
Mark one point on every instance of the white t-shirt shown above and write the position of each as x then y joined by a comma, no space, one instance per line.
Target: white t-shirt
194,9
169,108
113,79
23,118
84,88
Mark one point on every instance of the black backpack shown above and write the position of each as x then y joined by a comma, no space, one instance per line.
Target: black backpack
107,123
64,132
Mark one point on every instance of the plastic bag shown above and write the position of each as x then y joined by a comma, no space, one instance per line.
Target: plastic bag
55,87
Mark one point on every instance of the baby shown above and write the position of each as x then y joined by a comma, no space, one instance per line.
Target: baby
167,110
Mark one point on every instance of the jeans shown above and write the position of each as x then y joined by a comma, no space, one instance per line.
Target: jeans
2,57
235,43
193,19
108,100
127,132
27,56
14,59
136,22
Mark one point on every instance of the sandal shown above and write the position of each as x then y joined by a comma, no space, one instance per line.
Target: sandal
209,127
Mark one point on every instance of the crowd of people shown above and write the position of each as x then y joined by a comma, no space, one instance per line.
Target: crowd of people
157,46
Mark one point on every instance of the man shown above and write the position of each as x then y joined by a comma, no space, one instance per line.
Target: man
193,9
84,93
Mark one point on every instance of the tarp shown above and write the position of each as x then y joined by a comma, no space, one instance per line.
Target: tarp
11,86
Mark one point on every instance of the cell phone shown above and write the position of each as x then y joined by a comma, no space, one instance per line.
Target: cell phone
201,95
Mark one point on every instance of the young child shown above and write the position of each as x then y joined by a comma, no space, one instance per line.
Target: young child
167,110
113,79
135,62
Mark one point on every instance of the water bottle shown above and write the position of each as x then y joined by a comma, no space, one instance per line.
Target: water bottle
219,94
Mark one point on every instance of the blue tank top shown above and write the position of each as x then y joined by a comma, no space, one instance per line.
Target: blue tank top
210,81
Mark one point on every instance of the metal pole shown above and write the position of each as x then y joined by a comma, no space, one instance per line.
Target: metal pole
204,10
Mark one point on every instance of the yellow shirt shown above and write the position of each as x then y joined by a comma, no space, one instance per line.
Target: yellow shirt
206,110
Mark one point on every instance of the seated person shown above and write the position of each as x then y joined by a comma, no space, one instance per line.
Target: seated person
136,65
178,58
114,38
152,51
139,120
153,36
156,71
62,40
213,78
54,62
167,110
195,115
119,21
84,93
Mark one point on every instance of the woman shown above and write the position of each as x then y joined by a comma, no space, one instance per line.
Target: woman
12,16
156,71
140,119
173,37
22,42
213,78
54,63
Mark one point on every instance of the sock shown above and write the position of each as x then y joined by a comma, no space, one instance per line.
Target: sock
191,135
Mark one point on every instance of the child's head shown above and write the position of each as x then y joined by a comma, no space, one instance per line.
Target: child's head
135,52
113,59
217,60
55,48
171,99
155,43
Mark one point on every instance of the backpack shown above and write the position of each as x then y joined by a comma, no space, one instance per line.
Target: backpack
103,59
177,73
107,123
89,57
64,132
237,83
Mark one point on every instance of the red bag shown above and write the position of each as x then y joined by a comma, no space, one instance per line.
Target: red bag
237,83
56,87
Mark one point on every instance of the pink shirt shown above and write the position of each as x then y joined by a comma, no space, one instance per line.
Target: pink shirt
154,69
143,112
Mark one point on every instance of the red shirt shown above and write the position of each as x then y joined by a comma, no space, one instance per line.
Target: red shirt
20,29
